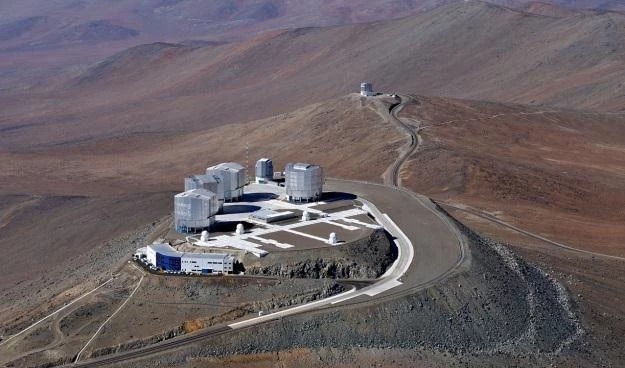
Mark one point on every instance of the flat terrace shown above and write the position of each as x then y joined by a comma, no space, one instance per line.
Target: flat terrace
343,217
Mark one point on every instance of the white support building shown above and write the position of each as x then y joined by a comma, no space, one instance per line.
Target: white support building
234,178
165,257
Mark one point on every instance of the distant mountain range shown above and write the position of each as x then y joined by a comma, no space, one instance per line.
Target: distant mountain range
470,50
31,30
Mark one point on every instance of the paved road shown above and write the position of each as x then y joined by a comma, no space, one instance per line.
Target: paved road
439,247
430,248
392,175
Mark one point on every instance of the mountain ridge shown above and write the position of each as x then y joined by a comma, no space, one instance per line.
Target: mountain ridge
460,50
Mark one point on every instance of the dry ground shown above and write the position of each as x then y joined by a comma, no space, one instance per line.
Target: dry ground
556,173
327,133
575,62
595,283
88,164
562,167
168,306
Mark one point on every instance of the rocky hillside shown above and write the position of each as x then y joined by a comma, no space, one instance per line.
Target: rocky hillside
363,259
500,309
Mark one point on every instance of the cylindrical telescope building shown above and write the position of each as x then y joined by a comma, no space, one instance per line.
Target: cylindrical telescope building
303,182
211,183
366,89
195,210
233,176
264,170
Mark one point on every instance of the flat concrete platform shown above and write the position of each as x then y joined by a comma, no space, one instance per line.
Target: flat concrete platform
298,241
290,234
437,248
323,230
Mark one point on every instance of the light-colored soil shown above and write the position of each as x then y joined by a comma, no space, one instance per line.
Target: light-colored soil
167,306
326,133
558,175
67,331
461,50
61,228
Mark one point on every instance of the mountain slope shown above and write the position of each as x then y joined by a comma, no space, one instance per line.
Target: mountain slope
41,38
462,50
32,52
554,172
343,134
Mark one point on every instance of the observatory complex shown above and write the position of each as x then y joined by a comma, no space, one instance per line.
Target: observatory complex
167,258
204,196
273,217
303,182
211,183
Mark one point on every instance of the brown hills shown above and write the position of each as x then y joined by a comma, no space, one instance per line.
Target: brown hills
326,132
141,120
616,5
554,172
88,158
536,178
40,38
462,50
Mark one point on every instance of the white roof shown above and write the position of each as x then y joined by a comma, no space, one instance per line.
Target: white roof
212,256
268,214
264,159
164,249
167,250
228,166
206,178
300,166
197,193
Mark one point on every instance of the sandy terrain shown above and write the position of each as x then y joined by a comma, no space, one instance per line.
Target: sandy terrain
171,88
39,38
326,133
449,140
70,226
156,311
560,174
89,162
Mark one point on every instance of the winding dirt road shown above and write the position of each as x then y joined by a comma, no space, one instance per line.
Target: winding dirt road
392,175
430,249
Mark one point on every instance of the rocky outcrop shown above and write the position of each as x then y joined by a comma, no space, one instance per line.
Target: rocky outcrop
364,259
499,305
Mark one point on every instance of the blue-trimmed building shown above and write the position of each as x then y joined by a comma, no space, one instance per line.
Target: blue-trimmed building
165,257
